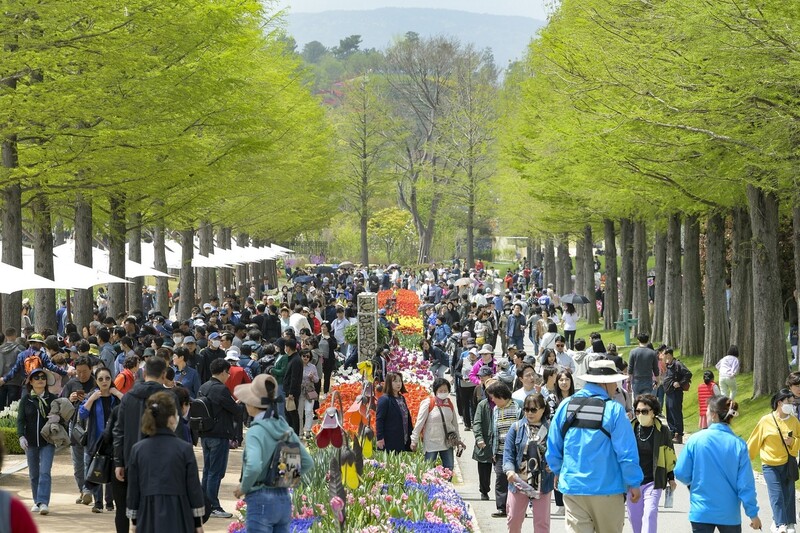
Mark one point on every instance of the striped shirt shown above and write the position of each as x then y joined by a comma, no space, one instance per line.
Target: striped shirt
504,417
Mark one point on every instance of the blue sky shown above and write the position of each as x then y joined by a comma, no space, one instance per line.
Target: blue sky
524,8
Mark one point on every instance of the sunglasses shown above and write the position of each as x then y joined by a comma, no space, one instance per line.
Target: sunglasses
532,410
39,376
642,411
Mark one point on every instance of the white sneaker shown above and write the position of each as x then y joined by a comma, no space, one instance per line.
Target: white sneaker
559,511
44,509
34,508
791,528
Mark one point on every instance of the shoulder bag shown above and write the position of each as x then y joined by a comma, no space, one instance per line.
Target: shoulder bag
791,462
451,437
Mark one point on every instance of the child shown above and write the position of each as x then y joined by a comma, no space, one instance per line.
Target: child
706,390
728,368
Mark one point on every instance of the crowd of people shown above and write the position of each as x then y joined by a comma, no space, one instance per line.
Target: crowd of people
569,420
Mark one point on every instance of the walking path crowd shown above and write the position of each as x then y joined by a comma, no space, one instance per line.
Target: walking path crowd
554,419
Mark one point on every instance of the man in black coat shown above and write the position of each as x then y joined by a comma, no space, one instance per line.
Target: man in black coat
291,383
209,354
127,430
224,411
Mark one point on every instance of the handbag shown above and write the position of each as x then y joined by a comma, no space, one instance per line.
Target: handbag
791,463
99,470
311,395
78,435
290,404
451,437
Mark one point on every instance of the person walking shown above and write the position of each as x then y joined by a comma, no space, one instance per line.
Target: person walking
34,408
716,465
728,368
707,389
657,461
504,414
268,508
308,394
592,451
524,459
515,329
482,428
437,418
393,425
569,321
774,440
216,441
76,390
676,379
292,384
164,493
96,411
643,367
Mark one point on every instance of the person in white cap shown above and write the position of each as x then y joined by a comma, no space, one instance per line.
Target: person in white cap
592,450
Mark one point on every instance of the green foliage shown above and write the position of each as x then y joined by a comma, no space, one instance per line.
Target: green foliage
391,228
351,334
10,440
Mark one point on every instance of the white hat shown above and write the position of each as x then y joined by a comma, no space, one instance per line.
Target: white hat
486,348
232,354
602,371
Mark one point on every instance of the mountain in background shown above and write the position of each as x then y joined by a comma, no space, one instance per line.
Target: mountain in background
508,37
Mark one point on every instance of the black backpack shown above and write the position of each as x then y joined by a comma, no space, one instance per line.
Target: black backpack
201,417
585,413
285,470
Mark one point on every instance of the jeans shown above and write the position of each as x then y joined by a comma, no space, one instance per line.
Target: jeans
79,466
642,386
660,394
446,455
781,493
519,342
644,513
40,463
675,411
569,336
215,462
700,527
268,511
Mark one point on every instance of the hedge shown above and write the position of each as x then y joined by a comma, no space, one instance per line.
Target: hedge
11,440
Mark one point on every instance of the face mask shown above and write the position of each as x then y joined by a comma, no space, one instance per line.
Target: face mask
215,344
177,338
645,420
788,409
442,395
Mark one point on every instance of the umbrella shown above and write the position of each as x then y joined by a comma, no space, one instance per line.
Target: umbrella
574,299
303,279
345,264
393,265
463,282
325,270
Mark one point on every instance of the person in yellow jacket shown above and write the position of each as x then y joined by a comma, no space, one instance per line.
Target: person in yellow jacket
776,440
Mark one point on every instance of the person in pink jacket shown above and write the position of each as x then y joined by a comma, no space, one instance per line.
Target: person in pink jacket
487,359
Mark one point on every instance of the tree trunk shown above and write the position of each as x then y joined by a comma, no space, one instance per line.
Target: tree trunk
550,268
471,233
692,297
641,301
626,270
243,240
588,271
580,277
12,237
660,249
43,263
84,300
769,358
223,277
135,255
187,297
425,241
203,273
673,283
160,263
716,338
363,220
741,311
611,297
563,244
796,240
558,278
116,255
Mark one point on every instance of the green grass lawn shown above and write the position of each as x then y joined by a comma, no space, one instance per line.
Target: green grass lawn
750,410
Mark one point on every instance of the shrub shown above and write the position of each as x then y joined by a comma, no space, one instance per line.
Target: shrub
10,439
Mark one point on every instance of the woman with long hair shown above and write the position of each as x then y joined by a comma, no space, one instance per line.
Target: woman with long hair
569,321
393,425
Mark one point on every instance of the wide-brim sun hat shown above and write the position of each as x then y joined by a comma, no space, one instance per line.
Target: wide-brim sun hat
602,371
51,378
486,348
255,393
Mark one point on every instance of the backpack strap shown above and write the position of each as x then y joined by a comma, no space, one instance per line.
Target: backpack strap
592,418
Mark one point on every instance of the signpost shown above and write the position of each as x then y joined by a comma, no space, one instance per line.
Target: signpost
626,324
367,306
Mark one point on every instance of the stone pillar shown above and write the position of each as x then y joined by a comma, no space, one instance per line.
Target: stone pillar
367,306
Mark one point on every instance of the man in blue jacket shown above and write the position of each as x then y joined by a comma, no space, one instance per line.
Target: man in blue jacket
592,450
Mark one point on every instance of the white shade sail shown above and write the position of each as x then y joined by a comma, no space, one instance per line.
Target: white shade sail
13,279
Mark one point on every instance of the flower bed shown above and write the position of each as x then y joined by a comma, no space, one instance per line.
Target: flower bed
398,493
